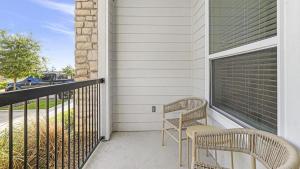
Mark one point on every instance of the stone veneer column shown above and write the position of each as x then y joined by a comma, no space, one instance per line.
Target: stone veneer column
86,53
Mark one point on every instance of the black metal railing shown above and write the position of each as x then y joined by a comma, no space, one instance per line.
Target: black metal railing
50,127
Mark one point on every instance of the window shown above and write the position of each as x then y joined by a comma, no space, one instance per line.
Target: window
234,23
245,86
244,81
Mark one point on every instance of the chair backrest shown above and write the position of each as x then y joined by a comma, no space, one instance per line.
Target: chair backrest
196,109
186,103
195,102
271,150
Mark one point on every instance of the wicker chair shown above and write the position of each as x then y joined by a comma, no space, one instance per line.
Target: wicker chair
272,151
191,111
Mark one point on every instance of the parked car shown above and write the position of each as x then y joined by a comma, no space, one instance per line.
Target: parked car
47,79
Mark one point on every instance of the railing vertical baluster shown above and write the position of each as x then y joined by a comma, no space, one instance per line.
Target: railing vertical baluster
25,134
86,120
83,157
83,135
37,132
95,114
97,136
74,129
63,129
99,111
10,119
47,132
78,138
89,118
69,130
55,132
92,116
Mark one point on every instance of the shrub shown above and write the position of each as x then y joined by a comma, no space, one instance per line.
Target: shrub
3,85
18,144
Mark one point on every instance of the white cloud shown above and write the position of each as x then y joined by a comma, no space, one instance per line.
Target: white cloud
59,28
62,7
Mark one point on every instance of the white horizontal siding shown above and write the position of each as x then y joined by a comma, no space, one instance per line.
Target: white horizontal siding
151,73
130,64
153,3
151,91
198,47
155,12
154,55
154,82
151,60
149,47
146,100
151,38
152,29
143,20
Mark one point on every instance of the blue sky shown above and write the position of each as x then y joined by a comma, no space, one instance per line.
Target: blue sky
49,21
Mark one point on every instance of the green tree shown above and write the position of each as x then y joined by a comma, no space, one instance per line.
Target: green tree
69,71
19,56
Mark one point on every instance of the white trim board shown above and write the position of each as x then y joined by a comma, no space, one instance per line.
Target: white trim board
252,47
104,67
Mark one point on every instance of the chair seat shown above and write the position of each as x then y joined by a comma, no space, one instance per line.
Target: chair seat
199,128
175,123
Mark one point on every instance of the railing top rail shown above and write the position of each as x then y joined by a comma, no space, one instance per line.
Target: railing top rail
13,97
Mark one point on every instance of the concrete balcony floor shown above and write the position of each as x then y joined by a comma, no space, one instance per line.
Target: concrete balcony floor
138,150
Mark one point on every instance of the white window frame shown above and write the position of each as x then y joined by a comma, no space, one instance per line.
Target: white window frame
252,47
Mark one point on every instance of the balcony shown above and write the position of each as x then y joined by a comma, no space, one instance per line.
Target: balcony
59,126
152,52
69,134
138,150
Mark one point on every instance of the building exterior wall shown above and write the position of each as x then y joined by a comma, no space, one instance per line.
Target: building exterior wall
151,60
290,52
86,52
198,47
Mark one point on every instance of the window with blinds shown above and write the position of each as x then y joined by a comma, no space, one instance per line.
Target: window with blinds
245,87
234,23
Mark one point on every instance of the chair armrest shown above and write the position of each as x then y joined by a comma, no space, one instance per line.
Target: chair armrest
175,106
195,114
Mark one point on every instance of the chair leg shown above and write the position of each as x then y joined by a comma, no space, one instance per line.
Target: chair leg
198,154
193,152
163,133
253,161
188,151
232,162
216,157
180,147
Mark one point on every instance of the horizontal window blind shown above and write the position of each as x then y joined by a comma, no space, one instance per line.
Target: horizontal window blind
234,23
245,87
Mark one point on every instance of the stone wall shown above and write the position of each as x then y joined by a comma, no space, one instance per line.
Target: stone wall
86,53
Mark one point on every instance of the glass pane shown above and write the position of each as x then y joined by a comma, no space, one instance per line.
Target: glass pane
245,86
234,23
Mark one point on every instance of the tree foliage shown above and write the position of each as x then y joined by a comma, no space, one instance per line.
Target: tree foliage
69,70
19,56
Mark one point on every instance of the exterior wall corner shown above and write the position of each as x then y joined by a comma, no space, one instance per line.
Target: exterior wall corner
86,39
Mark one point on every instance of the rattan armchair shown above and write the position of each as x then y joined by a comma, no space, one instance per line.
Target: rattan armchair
271,150
191,111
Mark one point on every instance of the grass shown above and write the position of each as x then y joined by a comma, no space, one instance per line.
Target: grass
18,142
32,105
